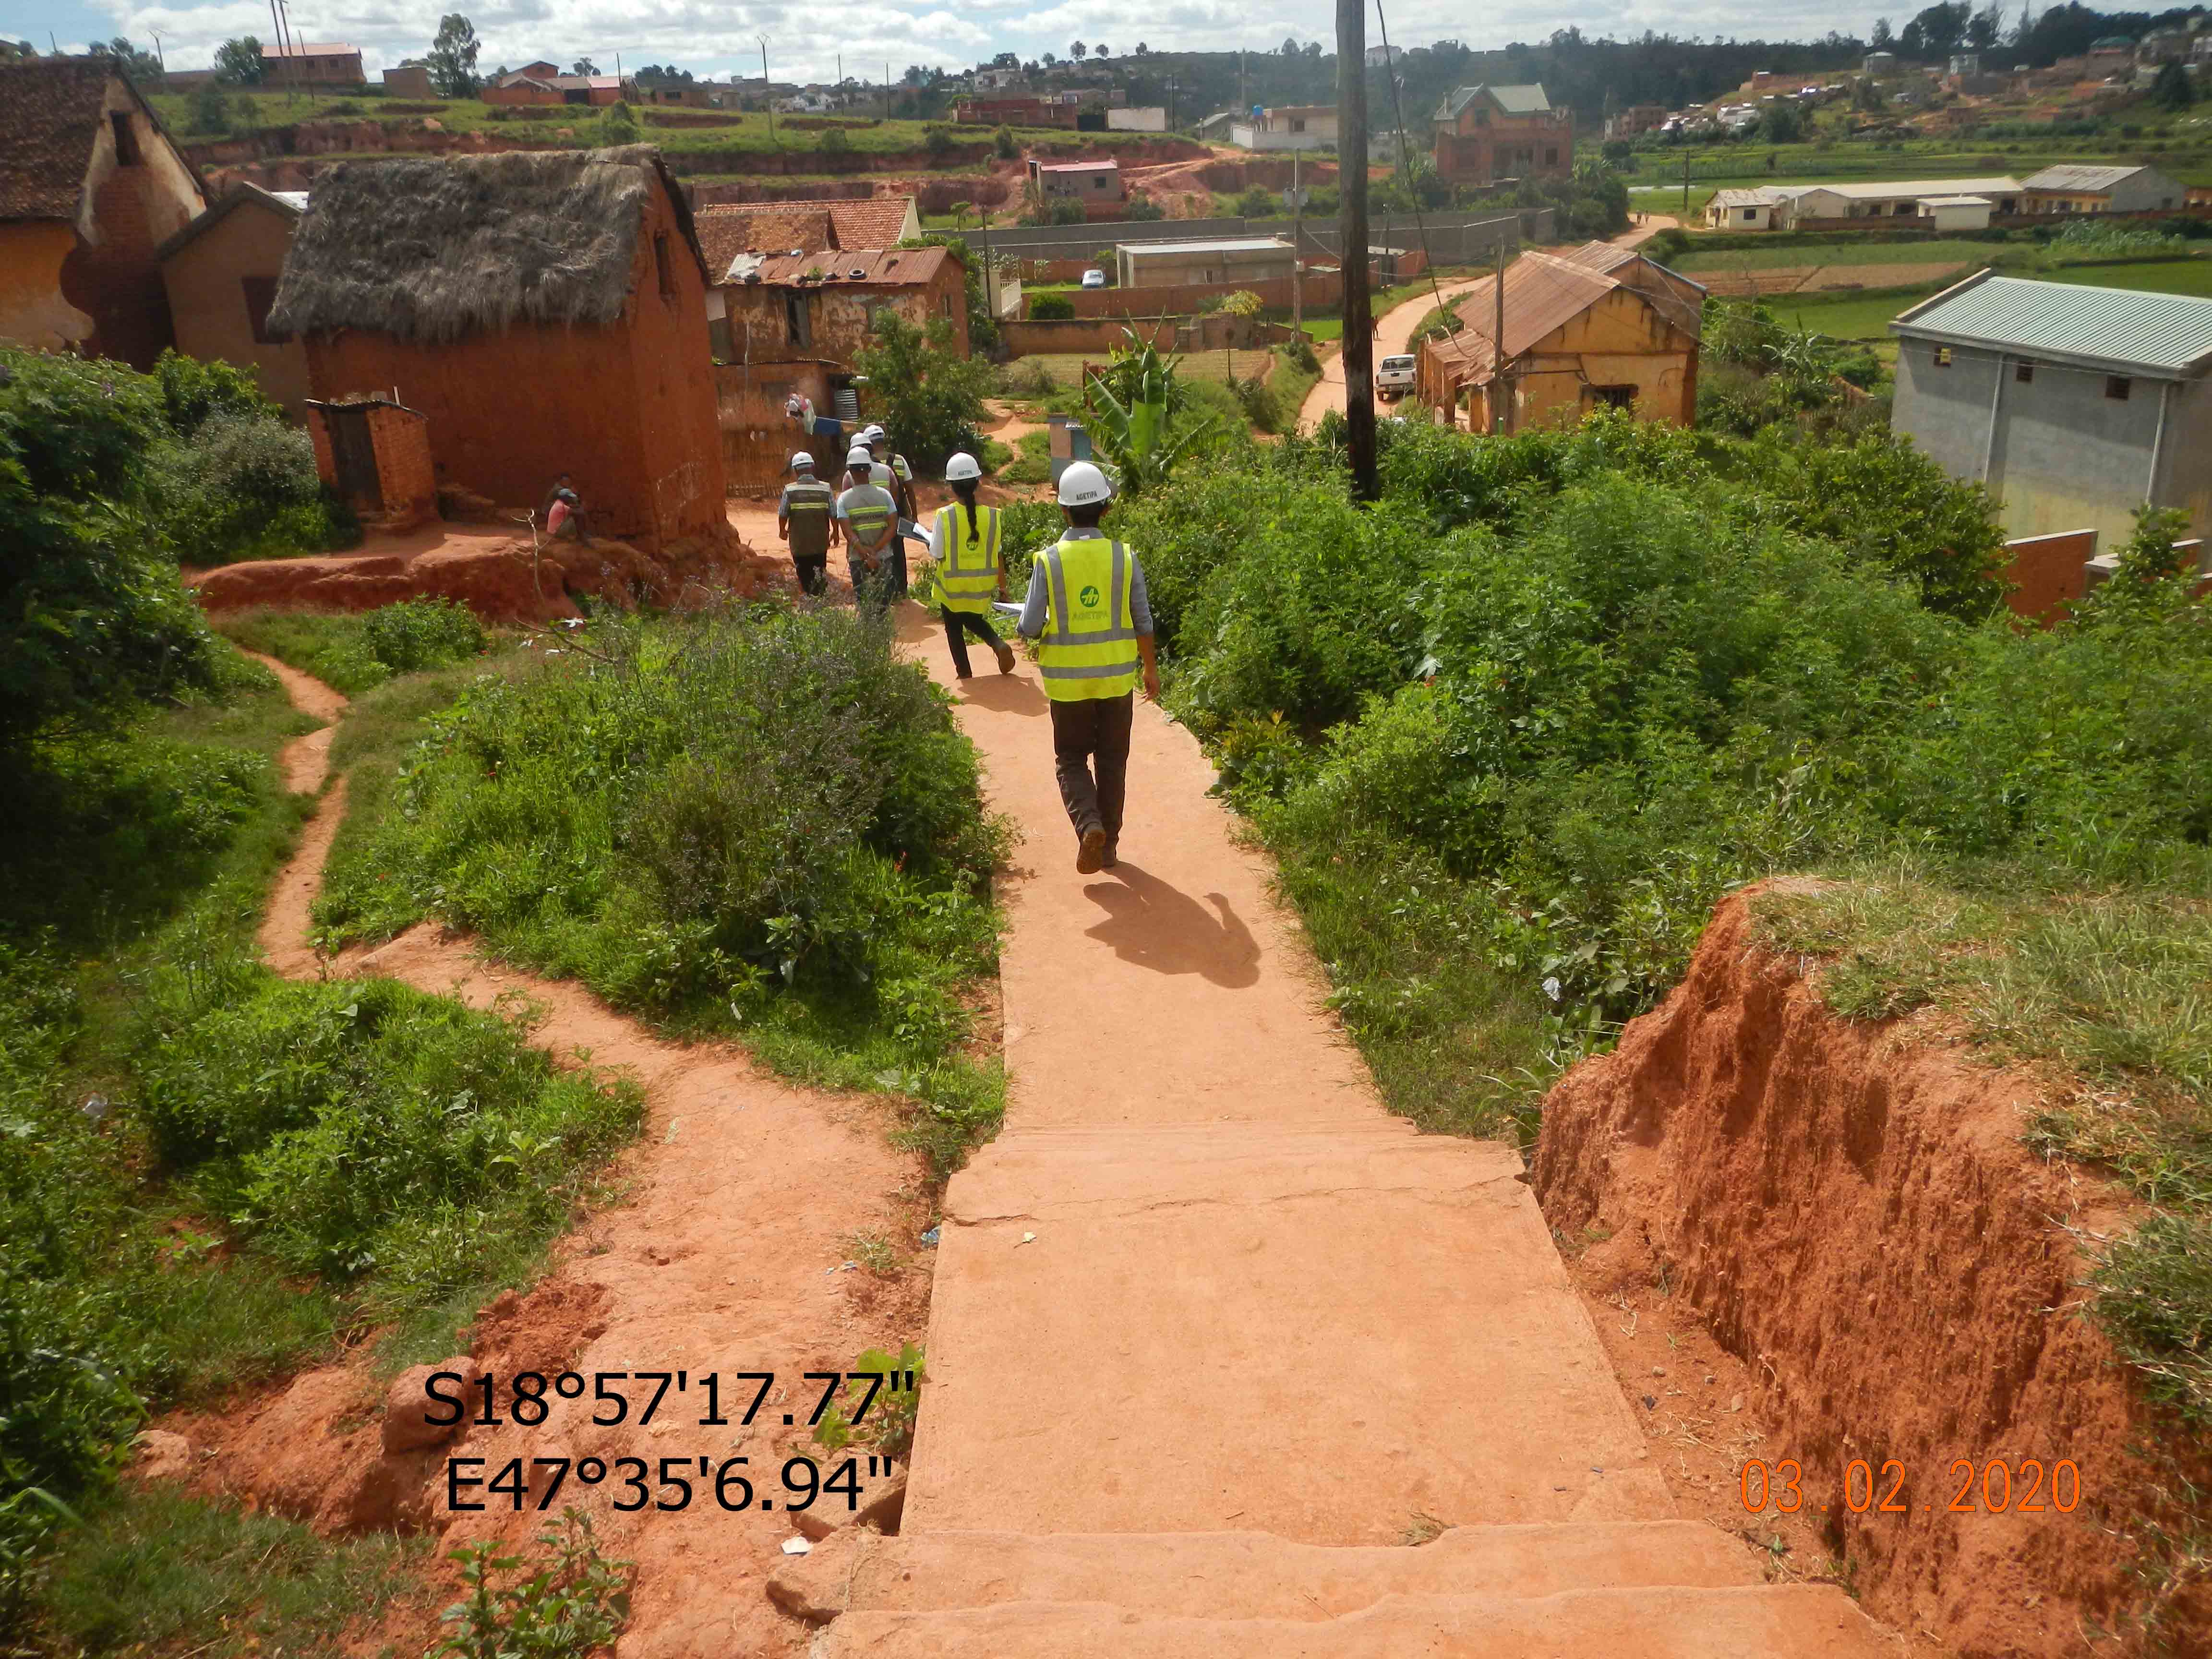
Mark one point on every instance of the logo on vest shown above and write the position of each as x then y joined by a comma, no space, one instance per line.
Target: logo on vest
1089,596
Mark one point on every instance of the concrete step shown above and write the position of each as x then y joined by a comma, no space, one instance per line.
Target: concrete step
1244,1575
1313,1332
1782,1621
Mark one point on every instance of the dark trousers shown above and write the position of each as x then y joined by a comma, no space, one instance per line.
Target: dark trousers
1088,732
871,588
813,572
958,624
897,568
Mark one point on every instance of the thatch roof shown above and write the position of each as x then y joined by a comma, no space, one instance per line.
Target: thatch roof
432,249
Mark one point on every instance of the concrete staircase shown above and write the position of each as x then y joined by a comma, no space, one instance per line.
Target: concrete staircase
1212,1335
1652,1590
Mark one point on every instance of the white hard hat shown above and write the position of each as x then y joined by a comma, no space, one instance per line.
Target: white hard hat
1082,484
962,466
858,456
874,434
802,461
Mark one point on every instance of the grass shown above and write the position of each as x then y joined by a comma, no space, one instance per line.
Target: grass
1944,250
2110,992
1033,464
156,1572
729,134
357,651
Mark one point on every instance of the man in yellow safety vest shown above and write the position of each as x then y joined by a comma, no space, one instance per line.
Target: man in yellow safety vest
1088,611
964,544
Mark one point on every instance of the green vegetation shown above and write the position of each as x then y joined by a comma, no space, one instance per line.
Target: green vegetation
755,821
568,1603
1512,731
930,396
356,653
156,1572
1033,460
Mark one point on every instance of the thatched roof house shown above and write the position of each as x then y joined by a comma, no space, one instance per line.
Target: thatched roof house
545,310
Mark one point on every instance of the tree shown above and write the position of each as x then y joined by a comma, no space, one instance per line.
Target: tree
1050,59
1935,31
1782,123
142,68
2170,88
452,59
1984,27
1102,49
1143,51
1076,50
928,392
619,124
583,66
1881,39
208,110
238,62
1289,45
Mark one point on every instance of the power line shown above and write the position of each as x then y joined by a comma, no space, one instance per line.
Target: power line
1406,169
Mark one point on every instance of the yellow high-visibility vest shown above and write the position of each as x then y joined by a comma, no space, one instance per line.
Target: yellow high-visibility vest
1088,645
968,573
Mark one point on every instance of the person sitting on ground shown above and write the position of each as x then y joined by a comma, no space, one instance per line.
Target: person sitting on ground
969,572
805,517
564,511
869,518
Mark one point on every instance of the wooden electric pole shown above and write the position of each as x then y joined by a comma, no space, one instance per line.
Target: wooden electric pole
1352,239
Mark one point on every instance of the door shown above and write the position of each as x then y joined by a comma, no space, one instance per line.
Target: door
354,455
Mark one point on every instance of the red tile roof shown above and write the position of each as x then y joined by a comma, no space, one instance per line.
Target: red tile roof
879,221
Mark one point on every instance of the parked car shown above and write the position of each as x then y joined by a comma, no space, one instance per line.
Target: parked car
1394,378
1094,277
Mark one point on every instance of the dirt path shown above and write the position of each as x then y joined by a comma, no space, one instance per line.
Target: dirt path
1393,330
1280,1317
731,1249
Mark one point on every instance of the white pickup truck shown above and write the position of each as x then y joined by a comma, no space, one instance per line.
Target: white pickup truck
1394,378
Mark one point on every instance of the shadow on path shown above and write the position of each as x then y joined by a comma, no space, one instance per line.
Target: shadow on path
1157,927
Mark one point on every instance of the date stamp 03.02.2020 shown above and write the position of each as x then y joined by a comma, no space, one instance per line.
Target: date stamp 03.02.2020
1994,1486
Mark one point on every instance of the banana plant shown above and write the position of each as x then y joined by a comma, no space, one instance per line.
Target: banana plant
1132,429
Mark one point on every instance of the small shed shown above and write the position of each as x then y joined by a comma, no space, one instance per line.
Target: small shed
1958,212
1233,259
1744,210
544,311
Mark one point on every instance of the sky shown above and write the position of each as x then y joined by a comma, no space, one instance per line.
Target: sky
724,40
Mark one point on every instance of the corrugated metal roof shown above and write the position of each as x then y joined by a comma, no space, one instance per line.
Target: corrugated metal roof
2107,327
2072,177
1902,188
1513,100
851,267
1764,196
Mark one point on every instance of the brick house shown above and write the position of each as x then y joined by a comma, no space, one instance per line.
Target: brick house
1484,134
221,273
542,311
91,185
596,90
1095,184
312,63
804,225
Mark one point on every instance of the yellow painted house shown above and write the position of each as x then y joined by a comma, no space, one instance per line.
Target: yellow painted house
1597,327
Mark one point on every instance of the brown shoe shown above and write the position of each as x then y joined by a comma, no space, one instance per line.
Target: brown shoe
1091,854
1006,657
1113,855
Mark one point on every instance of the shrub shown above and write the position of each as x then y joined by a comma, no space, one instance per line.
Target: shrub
1003,145
1051,308
242,485
931,397
418,634
1142,206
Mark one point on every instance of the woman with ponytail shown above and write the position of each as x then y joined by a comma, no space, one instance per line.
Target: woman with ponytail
970,570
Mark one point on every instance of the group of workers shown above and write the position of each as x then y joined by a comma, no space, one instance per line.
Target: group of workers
1086,607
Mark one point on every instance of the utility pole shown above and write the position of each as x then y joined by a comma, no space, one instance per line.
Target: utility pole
1686,180
887,88
1352,239
767,91
990,280
1501,388
1298,249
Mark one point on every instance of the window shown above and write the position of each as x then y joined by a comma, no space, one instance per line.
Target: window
1942,356
796,320
260,295
1552,158
1750,214
1613,396
2024,372
661,267
126,141
2116,387
1297,126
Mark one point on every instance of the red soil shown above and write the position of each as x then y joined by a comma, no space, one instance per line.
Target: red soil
1847,1210
493,571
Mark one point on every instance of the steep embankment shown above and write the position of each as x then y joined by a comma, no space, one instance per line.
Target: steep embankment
729,1249
1851,1210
